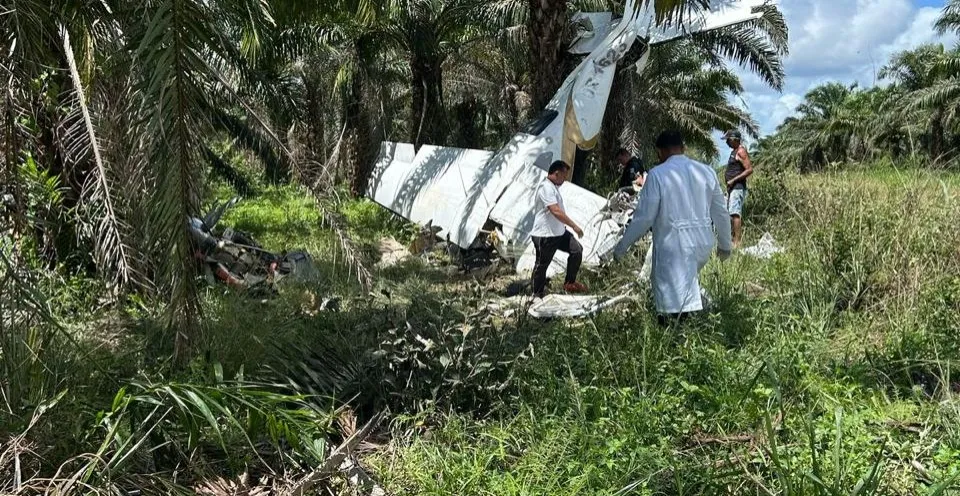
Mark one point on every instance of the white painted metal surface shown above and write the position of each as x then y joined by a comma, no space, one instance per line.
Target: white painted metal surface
394,160
453,187
591,90
460,189
592,27
722,13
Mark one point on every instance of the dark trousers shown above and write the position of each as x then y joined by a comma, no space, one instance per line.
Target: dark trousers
666,320
546,249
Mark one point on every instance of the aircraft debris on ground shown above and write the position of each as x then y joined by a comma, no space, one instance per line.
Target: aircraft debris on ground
475,195
765,249
234,258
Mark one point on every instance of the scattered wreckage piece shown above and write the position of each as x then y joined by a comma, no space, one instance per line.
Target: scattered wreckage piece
765,249
234,258
570,306
558,305
468,193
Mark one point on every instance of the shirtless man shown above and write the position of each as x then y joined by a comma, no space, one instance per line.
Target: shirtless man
739,168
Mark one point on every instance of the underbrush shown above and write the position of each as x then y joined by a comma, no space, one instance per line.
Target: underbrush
828,369
825,370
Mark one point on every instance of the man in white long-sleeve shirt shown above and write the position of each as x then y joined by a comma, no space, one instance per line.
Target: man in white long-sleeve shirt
682,202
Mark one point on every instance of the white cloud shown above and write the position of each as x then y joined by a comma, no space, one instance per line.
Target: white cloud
920,31
838,40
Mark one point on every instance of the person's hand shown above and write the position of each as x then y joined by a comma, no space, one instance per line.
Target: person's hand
578,231
723,255
729,184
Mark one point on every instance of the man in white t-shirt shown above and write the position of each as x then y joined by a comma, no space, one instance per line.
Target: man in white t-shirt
550,233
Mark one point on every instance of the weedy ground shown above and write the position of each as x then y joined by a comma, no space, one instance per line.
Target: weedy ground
826,370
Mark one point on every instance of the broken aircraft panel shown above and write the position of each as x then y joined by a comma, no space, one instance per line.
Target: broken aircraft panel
453,187
459,190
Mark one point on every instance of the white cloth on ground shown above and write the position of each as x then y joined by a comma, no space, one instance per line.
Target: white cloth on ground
766,248
682,202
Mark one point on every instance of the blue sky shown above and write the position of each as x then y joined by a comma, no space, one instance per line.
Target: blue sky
839,40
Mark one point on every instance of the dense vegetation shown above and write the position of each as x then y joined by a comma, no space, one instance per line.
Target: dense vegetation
912,118
826,370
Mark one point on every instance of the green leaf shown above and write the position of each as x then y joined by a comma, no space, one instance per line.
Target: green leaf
118,399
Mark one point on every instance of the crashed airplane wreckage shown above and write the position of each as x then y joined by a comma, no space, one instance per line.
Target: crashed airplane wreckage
469,194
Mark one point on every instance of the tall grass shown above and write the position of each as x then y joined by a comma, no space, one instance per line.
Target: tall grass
822,371
829,369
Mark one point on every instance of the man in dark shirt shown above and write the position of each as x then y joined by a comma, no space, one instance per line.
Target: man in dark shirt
633,172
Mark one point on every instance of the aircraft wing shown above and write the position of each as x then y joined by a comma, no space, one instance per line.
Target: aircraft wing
456,188
722,13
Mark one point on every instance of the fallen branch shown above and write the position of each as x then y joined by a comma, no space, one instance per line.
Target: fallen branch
336,459
743,438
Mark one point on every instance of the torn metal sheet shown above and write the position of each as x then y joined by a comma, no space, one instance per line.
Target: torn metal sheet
570,306
557,305
765,249
592,28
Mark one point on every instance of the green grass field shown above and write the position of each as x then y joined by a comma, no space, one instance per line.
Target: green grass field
828,369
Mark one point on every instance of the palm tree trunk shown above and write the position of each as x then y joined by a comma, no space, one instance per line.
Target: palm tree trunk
357,138
427,117
316,130
546,25
468,135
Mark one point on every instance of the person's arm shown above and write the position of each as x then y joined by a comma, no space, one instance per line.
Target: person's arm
564,219
721,220
744,158
641,178
648,207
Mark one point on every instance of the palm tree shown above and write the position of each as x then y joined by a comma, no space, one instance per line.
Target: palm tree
150,75
924,76
680,89
546,27
427,32
347,31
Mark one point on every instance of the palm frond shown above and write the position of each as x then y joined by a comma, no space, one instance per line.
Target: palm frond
748,47
111,250
172,45
949,19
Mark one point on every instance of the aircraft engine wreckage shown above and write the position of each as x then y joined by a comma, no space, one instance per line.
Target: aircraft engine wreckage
469,194
234,258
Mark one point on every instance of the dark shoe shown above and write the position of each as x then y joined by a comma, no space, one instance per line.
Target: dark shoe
574,287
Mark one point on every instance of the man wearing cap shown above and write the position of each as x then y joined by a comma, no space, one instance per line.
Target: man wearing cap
738,170
682,201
